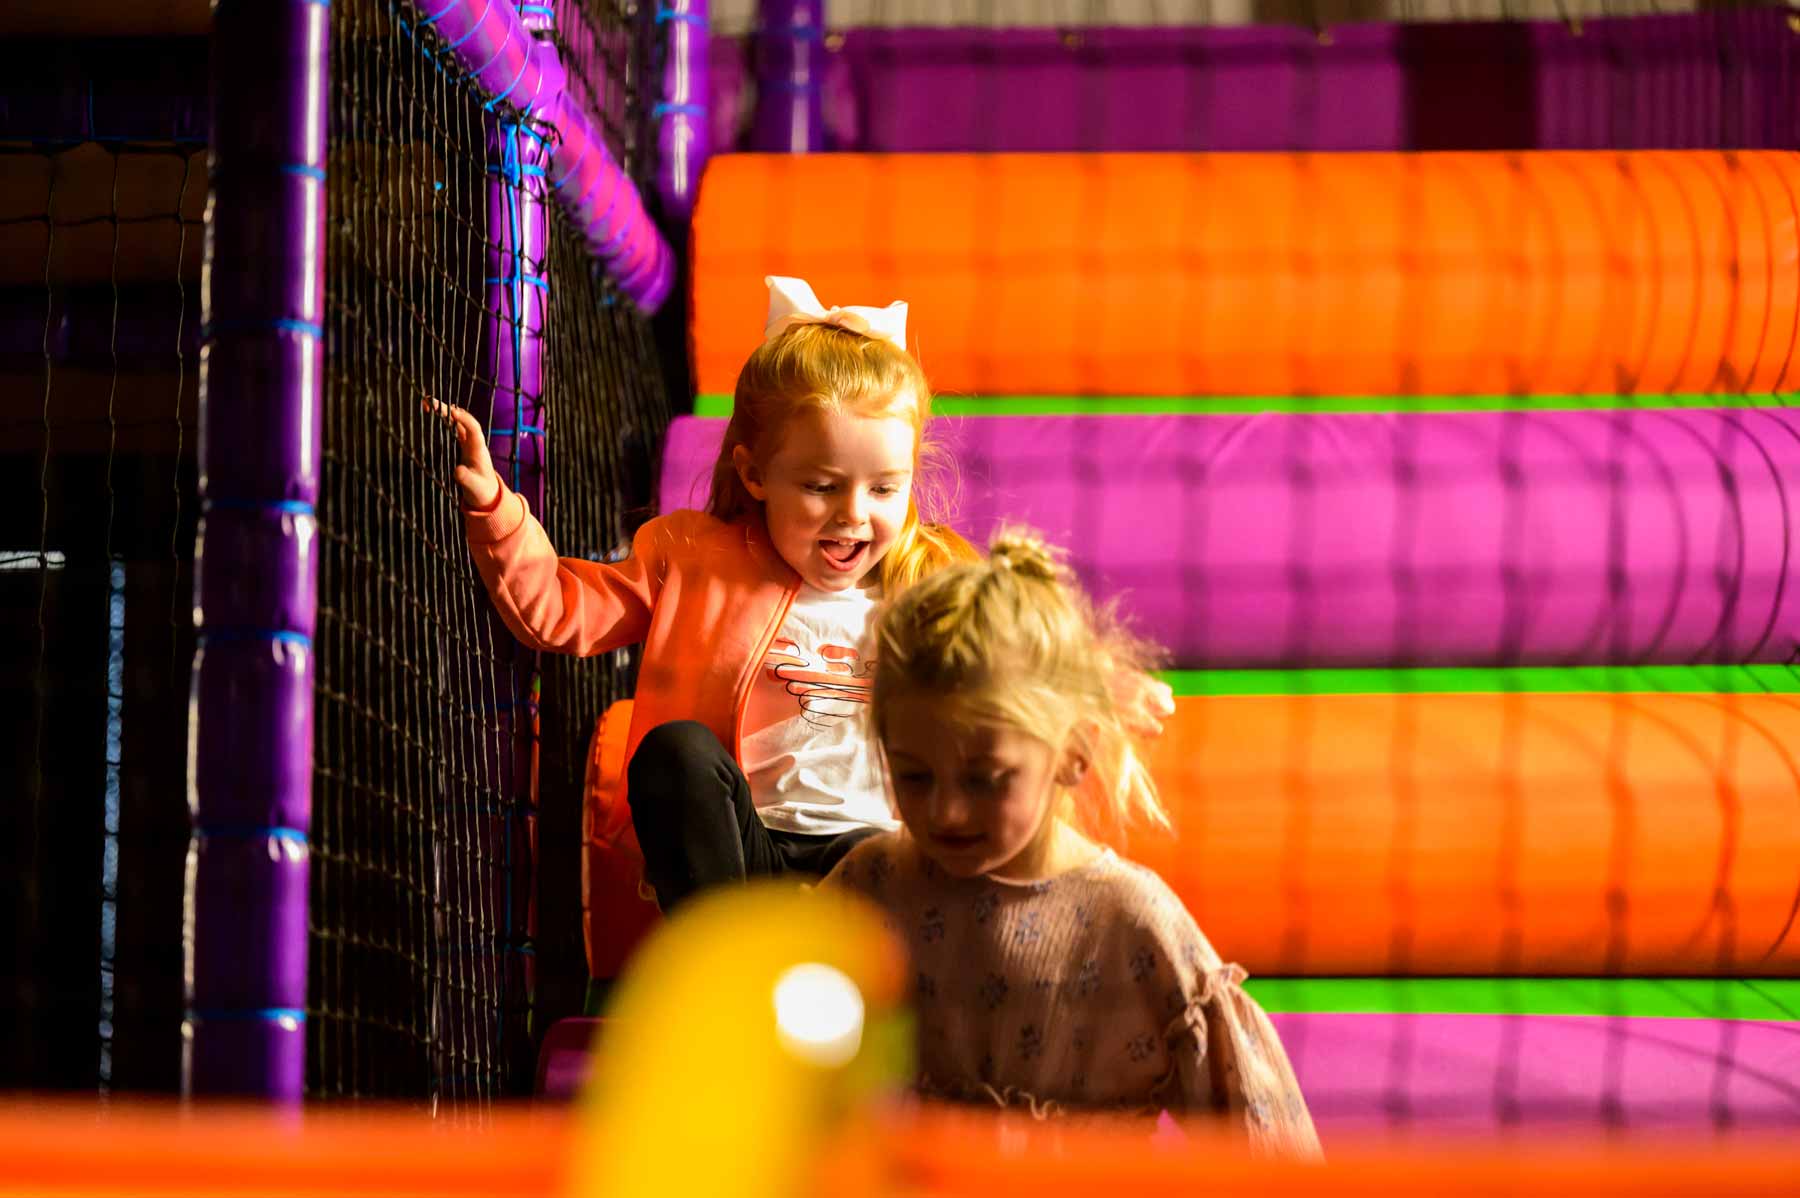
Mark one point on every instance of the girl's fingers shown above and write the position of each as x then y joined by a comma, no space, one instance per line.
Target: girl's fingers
475,475
459,418
481,490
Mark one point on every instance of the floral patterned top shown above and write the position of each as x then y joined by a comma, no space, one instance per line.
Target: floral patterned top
1093,990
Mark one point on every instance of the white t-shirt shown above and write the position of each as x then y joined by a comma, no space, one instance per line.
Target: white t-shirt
808,752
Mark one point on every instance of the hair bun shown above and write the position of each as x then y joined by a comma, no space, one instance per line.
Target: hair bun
1024,553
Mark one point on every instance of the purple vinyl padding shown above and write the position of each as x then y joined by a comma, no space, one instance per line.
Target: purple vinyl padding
791,62
680,113
606,206
497,48
1488,1074
1727,79
250,907
491,40
516,299
1476,1075
252,1057
261,372
1424,538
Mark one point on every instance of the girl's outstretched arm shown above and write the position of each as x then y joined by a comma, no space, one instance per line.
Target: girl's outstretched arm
560,605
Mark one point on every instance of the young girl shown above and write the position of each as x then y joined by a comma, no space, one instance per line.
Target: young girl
745,752
1051,972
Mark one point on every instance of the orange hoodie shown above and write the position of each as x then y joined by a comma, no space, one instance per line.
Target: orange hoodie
705,598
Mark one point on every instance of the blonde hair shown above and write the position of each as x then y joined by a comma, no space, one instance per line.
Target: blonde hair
833,369
1014,640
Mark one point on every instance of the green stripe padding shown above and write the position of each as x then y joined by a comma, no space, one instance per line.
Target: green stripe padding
1665,998
1219,405
1750,679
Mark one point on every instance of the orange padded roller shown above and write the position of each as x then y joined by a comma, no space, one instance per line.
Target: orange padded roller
1487,833
1439,834
1647,273
53,1149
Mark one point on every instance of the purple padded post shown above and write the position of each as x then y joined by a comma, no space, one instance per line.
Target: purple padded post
492,41
680,115
1633,536
261,367
517,295
790,71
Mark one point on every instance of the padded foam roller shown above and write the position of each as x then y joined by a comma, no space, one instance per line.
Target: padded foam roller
1420,538
1469,1075
1517,834
1284,274
1489,834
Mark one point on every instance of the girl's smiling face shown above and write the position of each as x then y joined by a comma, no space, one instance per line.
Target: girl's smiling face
978,798
834,492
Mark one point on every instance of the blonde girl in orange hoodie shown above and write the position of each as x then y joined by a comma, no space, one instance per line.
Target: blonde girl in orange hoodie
747,750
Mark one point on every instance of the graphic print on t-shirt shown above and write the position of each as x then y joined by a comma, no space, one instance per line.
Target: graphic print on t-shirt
815,671
828,682
805,740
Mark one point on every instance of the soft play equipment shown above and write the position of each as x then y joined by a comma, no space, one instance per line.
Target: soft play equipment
1459,488
1268,274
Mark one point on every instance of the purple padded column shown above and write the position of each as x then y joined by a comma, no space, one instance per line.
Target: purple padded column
790,66
261,359
492,41
517,296
681,131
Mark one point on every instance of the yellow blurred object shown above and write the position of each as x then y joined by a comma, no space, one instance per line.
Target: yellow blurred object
702,1088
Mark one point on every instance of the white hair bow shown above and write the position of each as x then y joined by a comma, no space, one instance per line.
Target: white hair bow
792,302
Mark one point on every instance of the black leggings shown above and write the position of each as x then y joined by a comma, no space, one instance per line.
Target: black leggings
691,807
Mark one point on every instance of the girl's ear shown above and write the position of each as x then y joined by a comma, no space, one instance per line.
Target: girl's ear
748,472
1072,764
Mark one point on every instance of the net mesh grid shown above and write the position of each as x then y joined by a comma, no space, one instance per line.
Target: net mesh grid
98,303
439,746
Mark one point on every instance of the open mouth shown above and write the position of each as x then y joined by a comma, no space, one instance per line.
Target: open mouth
844,555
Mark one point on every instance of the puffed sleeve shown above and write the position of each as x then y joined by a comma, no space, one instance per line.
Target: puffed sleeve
1229,1060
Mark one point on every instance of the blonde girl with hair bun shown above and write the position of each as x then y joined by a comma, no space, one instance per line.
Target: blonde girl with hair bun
1052,973
747,751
